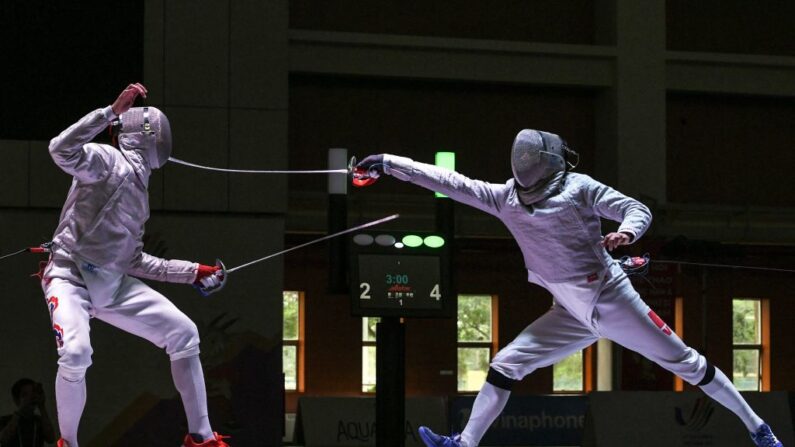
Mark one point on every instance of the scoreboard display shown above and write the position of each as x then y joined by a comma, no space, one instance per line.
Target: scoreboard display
391,279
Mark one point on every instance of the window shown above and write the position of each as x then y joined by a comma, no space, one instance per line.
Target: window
368,353
292,340
477,339
567,375
750,341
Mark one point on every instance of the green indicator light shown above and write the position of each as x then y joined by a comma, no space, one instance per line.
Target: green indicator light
445,160
434,241
412,240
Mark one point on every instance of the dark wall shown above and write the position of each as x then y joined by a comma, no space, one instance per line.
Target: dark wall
61,59
415,119
752,27
556,21
730,150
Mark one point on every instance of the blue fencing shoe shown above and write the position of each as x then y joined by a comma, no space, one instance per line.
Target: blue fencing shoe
431,439
763,437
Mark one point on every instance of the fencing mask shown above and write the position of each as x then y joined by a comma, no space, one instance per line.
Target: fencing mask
537,156
146,129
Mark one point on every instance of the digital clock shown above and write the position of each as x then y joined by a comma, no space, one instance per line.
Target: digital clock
388,281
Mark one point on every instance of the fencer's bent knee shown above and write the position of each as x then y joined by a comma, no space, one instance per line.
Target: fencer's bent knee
75,358
692,367
183,341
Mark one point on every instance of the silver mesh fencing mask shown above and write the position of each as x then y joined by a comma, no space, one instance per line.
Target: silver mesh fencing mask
536,156
147,129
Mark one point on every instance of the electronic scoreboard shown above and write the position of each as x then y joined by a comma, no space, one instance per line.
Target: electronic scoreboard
399,274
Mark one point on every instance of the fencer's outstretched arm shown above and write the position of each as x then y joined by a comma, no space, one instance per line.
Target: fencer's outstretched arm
633,216
482,195
151,267
72,152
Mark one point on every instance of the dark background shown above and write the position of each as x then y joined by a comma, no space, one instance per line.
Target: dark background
273,84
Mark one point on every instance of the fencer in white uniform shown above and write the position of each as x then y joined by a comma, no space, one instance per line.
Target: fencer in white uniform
554,215
97,255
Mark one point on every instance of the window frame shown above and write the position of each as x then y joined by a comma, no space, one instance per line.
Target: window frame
299,343
762,348
367,344
588,373
493,345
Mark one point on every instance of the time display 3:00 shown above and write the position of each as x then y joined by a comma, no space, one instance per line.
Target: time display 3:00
396,279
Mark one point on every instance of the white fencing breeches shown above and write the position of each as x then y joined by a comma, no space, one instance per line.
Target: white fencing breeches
76,292
605,307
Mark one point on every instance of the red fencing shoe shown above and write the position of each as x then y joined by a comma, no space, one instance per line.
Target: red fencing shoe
217,441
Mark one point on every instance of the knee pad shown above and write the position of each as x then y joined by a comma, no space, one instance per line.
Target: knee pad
708,375
499,380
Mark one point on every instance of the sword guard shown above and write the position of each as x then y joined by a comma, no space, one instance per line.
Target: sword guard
635,265
207,291
360,177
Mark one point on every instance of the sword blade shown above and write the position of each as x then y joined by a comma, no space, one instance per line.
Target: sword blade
315,241
255,171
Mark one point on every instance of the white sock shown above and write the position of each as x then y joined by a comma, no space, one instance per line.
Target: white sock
723,390
189,380
70,399
488,405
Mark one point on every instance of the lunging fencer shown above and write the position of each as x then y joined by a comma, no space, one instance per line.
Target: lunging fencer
97,256
554,215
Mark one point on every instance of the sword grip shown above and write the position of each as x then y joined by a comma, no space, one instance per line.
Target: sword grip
207,291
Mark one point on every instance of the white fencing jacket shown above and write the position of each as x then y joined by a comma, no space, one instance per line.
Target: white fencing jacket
102,221
560,236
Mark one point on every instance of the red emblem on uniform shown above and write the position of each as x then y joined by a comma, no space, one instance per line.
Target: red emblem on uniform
593,277
58,332
659,323
52,304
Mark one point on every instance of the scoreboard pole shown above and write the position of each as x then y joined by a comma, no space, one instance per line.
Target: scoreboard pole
390,385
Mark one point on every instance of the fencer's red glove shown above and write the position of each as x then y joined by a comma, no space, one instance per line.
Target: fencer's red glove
127,98
208,276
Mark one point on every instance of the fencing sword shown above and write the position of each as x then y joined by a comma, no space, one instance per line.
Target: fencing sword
225,271
43,248
639,265
359,177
